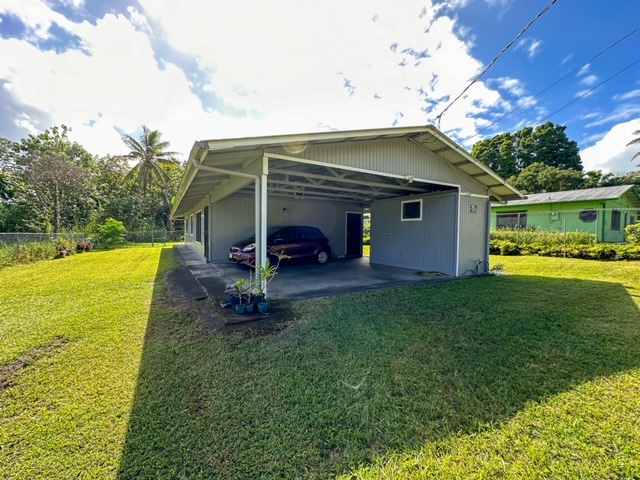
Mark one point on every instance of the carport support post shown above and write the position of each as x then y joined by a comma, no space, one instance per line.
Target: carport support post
263,220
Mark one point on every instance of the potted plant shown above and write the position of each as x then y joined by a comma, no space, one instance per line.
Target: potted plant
238,292
264,275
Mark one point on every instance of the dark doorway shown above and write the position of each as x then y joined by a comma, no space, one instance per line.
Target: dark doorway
206,233
354,234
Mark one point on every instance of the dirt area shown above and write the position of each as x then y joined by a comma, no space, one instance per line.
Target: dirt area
8,372
220,321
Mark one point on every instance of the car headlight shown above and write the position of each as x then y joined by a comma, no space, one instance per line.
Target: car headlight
249,248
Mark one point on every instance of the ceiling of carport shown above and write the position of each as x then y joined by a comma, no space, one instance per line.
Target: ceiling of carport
302,181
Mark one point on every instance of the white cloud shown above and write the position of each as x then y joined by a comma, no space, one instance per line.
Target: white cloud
501,3
534,47
627,96
589,80
611,154
620,114
584,93
566,59
531,45
584,69
512,85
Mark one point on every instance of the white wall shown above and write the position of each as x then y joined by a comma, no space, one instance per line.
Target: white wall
232,219
428,244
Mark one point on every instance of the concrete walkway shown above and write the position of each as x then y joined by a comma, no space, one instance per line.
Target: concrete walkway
299,281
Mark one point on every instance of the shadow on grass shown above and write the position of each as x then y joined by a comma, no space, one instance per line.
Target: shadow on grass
366,375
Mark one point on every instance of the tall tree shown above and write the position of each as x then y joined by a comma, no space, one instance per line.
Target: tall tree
635,141
510,154
57,175
498,154
540,178
152,158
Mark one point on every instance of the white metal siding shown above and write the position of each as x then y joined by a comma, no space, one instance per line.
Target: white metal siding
233,219
397,156
473,234
429,244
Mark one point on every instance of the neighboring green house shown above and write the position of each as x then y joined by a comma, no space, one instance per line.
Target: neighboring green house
604,212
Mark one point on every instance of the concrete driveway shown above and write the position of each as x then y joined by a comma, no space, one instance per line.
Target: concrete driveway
299,281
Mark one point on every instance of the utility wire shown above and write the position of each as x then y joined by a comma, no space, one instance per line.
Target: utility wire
587,92
530,99
481,74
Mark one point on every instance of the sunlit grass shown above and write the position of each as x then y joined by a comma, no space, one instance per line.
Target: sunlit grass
66,414
532,374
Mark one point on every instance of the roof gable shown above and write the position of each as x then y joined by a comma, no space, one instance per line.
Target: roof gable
214,162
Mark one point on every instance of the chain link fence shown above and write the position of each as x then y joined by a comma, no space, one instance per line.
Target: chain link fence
606,225
149,237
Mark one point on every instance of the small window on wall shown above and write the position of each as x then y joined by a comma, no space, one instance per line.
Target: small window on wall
411,210
588,216
191,225
199,227
615,220
512,220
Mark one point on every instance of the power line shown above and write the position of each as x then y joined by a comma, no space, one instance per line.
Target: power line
587,92
481,74
530,99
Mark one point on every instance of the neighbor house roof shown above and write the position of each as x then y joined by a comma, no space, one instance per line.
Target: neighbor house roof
236,151
588,194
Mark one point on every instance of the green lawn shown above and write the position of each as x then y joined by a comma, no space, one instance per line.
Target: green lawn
533,374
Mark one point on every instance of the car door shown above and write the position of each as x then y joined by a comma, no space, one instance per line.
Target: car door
285,241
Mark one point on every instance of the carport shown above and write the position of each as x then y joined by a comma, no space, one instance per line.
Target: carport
235,186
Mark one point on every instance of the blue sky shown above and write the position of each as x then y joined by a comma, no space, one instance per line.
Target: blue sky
203,69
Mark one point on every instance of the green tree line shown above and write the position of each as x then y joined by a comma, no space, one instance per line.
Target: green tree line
49,183
544,159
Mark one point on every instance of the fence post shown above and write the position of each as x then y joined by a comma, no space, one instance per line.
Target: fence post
152,239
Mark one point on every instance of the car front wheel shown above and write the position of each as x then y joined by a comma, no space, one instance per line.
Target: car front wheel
322,257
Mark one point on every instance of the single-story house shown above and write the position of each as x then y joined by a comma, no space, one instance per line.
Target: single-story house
428,198
604,212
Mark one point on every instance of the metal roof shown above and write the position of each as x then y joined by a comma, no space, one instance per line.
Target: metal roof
603,193
288,175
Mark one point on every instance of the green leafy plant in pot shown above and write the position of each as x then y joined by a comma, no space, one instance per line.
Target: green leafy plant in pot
238,292
264,275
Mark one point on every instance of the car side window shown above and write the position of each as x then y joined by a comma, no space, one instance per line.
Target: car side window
308,233
286,235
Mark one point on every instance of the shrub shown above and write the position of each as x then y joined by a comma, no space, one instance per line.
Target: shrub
532,248
30,252
367,240
112,232
531,236
628,252
632,233
602,251
577,250
508,248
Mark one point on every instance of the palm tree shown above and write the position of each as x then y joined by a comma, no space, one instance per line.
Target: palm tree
635,141
151,156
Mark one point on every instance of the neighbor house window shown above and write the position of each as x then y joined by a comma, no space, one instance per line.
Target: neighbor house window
199,227
615,220
512,220
588,216
412,210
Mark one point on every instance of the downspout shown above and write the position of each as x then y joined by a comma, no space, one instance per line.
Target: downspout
260,238
487,252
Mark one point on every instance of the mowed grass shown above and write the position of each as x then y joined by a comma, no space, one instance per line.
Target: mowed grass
533,374
79,324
